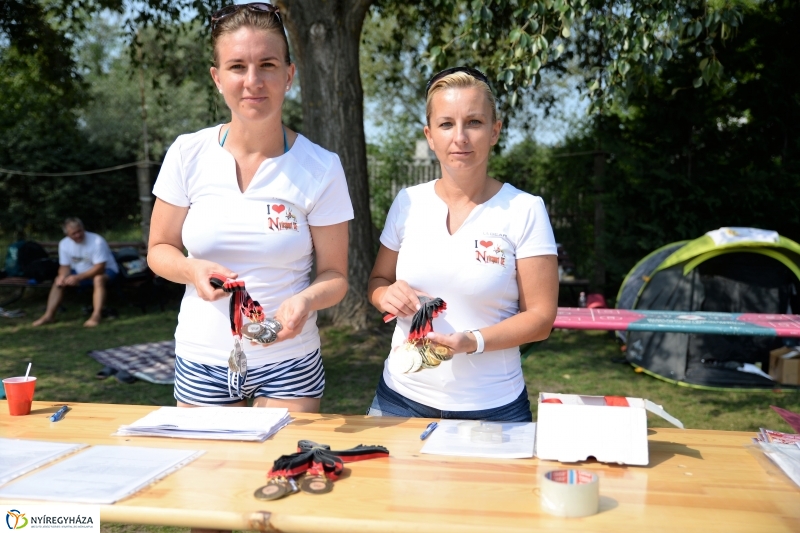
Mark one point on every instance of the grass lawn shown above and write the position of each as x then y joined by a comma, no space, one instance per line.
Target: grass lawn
569,362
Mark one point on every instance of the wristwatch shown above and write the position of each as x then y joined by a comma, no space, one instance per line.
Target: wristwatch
479,338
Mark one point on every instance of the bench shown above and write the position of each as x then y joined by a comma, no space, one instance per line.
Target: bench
20,284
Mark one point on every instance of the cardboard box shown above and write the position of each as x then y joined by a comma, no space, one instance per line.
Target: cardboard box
784,365
573,428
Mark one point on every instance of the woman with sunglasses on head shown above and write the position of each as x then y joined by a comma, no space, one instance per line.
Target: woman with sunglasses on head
251,200
482,246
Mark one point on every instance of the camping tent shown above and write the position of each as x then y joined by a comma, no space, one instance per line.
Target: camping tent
730,270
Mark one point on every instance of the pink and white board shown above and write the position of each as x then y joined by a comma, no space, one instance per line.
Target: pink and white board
679,321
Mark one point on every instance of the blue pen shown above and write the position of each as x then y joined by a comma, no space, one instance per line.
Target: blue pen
58,415
428,430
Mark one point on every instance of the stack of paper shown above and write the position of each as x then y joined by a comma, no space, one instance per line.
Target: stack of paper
221,423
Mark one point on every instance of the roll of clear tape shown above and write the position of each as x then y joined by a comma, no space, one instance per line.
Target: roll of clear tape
570,493
465,428
487,434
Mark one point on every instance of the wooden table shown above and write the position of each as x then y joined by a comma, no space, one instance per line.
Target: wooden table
697,481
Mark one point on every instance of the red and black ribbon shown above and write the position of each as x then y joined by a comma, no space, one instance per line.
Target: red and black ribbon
319,459
240,302
422,321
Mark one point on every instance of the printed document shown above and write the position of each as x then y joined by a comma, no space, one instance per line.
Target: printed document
18,457
100,475
518,439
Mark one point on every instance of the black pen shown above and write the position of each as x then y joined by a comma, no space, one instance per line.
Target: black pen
58,415
428,430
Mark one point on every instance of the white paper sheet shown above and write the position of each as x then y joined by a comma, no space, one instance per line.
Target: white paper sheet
221,423
518,441
100,475
18,457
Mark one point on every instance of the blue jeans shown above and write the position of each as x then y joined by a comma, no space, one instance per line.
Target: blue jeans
390,403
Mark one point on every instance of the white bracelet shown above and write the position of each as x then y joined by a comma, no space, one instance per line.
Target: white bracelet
479,338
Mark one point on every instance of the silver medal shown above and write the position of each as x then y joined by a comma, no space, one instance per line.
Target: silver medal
252,330
417,361
265,332
403,358
237,361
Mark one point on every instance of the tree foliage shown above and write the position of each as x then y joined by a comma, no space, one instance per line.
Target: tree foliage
89,119
683,161
618,46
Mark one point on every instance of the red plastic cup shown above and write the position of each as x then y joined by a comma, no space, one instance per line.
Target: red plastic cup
19,392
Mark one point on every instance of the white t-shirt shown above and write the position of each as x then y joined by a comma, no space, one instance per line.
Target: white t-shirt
474,272
80,257
262,234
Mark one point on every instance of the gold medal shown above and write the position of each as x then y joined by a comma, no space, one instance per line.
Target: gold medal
429,358
442,352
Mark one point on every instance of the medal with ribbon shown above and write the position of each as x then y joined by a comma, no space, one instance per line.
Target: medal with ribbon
418,351
260,329
321,466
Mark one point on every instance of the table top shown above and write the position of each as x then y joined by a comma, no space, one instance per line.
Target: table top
697,479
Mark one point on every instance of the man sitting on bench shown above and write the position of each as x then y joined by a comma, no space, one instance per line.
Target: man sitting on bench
85,260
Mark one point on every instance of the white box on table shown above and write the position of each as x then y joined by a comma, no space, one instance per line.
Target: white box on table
584,426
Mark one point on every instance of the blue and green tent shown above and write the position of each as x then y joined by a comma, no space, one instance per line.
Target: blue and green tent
729,270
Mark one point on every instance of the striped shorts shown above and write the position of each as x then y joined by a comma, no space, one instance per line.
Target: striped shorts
209,385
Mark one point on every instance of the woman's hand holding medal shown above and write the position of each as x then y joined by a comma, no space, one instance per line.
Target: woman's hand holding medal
292,314
459,342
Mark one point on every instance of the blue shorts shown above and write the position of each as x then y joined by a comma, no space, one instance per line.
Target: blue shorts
209,385
390,403
110,274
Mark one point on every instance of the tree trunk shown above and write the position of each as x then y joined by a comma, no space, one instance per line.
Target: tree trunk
325,36
599,278
143,168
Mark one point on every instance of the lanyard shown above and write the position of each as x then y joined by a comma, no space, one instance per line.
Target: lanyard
319,459
422,321
240,303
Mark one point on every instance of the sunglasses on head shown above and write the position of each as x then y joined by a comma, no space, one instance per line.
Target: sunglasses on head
475,73
256,7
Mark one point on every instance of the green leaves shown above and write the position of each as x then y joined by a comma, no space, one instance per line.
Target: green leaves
620,46
711,69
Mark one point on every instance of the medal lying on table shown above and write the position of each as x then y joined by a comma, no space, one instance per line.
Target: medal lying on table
317,463
418,351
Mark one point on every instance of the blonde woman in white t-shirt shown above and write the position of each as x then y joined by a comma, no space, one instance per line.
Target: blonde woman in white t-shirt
485,248
251,200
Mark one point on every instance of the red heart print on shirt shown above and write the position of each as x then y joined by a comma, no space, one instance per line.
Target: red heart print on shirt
486,244
278,208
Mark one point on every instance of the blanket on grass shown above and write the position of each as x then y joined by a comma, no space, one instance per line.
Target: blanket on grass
153,361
